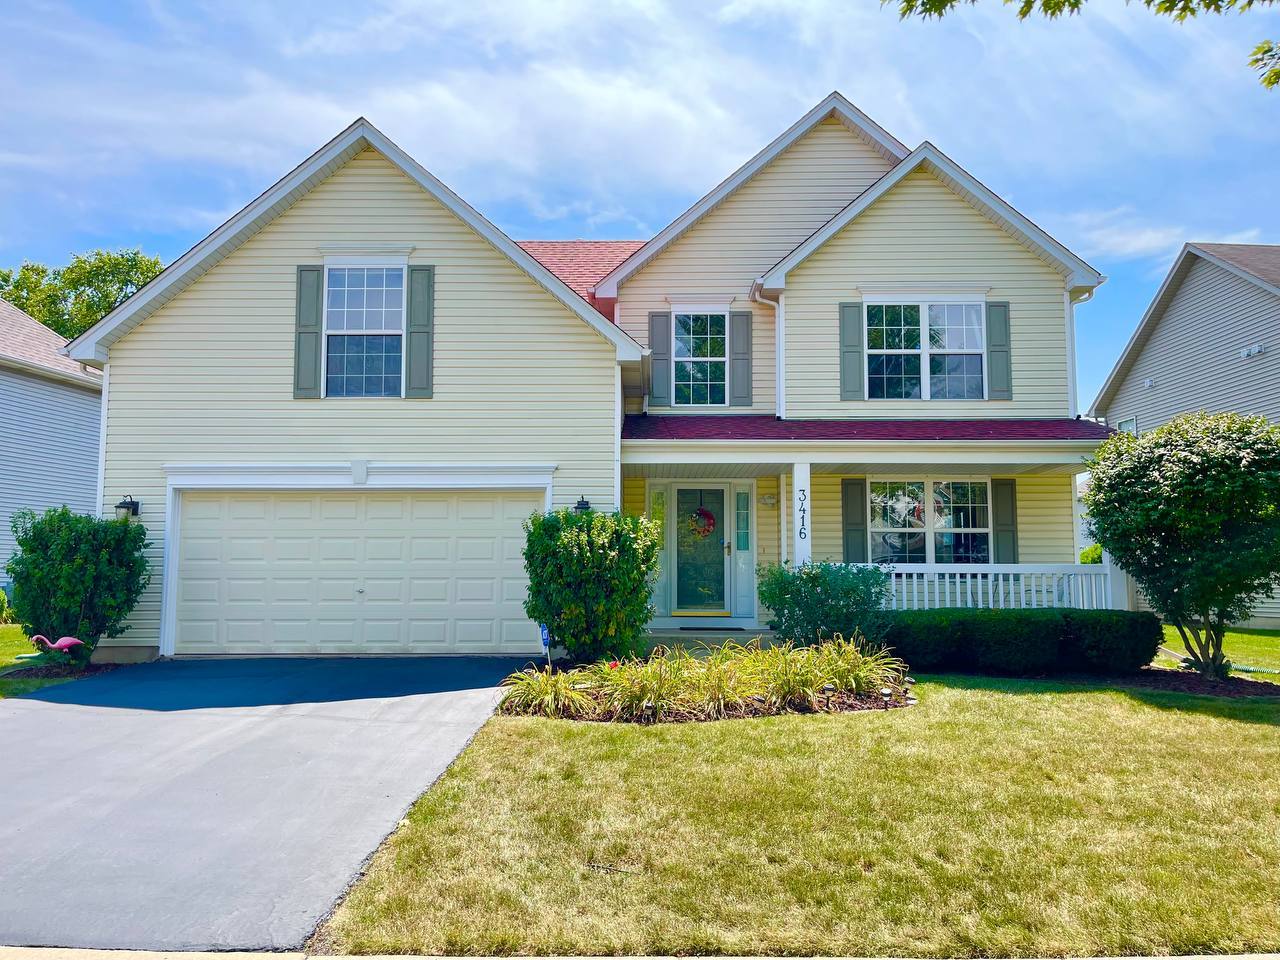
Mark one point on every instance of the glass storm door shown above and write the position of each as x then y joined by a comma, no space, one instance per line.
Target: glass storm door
702,570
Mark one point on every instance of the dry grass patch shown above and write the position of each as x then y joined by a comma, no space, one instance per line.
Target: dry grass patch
998,818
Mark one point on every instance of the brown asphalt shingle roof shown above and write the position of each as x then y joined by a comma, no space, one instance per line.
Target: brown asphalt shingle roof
28,341
1260,259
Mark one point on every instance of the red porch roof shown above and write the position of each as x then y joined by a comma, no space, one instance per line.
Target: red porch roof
755,427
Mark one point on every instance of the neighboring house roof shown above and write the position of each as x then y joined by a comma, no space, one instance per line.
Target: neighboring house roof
91,347
1259,263
1079,274
581,263
703,427
834,105
27,344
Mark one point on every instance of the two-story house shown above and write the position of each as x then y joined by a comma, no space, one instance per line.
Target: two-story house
1209,340
337,409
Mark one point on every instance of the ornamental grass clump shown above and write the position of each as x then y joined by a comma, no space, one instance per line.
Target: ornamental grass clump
715,683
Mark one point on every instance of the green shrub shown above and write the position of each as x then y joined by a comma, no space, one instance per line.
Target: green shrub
6,609
1091,554
1110,641
816,601
1024,642
76,575
730,680
1020,643
591,579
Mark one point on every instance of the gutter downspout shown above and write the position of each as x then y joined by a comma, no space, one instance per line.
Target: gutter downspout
779,346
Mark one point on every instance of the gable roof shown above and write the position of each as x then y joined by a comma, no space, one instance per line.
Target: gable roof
28,345
91,347
1259,263
833,105
581,263
1079,274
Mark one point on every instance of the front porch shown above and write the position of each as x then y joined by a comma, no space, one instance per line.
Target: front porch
962,524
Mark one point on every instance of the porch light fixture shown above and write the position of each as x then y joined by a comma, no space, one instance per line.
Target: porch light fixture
583,505
126,508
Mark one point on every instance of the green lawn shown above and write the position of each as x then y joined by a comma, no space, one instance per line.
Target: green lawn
997,818
12,643
1253,648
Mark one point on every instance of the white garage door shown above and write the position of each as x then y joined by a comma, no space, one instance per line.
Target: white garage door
357,573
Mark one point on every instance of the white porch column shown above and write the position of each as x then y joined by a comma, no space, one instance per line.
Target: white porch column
801,504
1119,596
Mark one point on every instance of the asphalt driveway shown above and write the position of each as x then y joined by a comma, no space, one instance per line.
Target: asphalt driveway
217,804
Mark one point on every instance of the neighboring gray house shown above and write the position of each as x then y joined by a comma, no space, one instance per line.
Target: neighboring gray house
1209,341
50,421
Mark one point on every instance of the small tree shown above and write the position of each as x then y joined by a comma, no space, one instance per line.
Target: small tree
591,578
76,576
1191,511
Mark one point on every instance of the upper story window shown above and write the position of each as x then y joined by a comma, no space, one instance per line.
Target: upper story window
925,521
700,359
1128,425
364,331
925,351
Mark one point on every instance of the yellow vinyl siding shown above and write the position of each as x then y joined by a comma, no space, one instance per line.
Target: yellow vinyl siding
633,496
716,260
922,232
1045,522
209,378
766,521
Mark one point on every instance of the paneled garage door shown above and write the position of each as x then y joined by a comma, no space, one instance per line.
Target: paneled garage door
358,573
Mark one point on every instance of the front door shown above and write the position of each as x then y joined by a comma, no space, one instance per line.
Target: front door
702,548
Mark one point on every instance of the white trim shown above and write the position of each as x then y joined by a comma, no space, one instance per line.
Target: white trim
376,262
1079,273
321,476
832,105
710,306
707,361
780,321
954,292
82,380
617,437
929,530
102,440
357,249
1172,281
1049,455
92,346
386,260
1069,310
925,352
802,510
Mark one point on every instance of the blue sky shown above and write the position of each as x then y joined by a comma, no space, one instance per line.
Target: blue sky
133,123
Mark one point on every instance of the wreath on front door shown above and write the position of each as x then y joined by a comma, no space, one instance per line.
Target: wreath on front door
702,523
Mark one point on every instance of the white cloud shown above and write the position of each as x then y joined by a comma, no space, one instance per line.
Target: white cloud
1122,233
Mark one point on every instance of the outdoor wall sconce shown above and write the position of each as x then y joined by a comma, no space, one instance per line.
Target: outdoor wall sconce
127,508
583,505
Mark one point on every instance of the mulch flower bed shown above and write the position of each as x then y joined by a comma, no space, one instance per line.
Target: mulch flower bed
54,672
1185,681
833,703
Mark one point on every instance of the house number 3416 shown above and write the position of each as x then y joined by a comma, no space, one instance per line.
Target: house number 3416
802,498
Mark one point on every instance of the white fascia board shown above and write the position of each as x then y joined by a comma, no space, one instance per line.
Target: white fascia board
833,105
358,475
1131,349
46,373
91,346
1078,273
1010,452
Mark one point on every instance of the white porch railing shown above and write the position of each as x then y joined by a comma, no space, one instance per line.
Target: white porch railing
999,586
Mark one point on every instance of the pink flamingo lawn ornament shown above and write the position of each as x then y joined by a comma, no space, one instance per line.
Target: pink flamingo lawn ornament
62,646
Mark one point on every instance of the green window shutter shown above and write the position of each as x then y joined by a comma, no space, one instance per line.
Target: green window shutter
853,519
999,357
851,355
420,333
308,335
740,359
1004,521
660,359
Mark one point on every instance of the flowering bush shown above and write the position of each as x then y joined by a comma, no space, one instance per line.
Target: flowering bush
591,579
